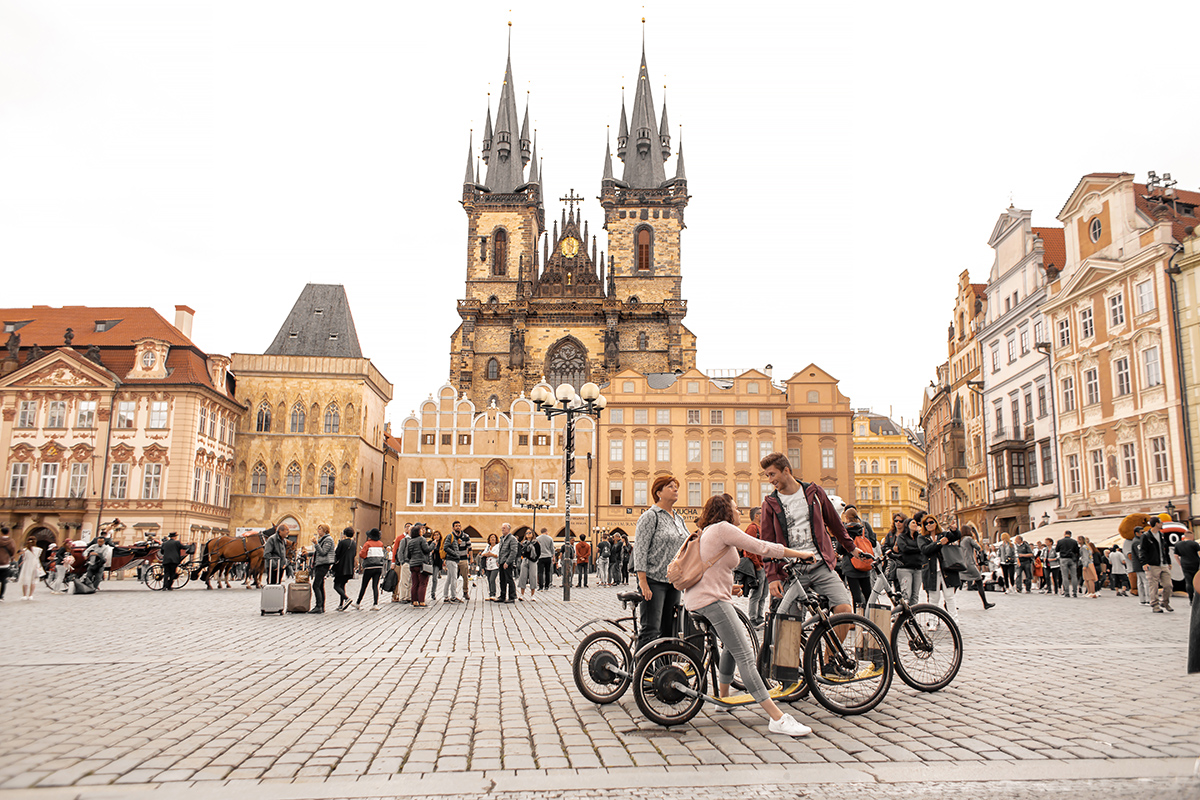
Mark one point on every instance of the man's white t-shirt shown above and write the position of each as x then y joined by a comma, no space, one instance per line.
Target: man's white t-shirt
799,526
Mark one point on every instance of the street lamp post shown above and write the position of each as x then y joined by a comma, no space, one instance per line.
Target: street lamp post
588,402
535,505
1171,509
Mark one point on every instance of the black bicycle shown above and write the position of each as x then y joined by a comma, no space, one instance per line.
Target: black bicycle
603,664
926,643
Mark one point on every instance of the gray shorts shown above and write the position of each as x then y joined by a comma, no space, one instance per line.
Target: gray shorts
817,579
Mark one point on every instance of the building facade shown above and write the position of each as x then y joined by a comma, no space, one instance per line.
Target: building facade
568,313
1021,442
1186,289
889,474
1119,399
126,419
311,444
940,499
963,439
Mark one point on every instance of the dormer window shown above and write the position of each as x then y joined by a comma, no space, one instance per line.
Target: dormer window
103,325
319,312
293,335
1095,229
149,359
333,337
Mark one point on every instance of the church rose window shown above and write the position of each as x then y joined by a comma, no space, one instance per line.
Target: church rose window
568,364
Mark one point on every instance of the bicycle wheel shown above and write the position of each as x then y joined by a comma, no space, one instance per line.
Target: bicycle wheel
592,667
661,673
851,676
927,647
155,577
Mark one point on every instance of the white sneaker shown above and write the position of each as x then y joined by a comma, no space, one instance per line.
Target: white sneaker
788,726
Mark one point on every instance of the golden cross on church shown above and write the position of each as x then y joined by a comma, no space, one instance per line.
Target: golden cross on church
571,200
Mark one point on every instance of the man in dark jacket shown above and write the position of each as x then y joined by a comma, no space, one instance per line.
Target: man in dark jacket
343,566
274,554
452,549
172,554
507,556
1156,561
1068,559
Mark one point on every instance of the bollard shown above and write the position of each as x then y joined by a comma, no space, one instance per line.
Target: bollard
1194,630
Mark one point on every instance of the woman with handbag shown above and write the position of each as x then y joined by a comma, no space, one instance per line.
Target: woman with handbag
973,556
491,564
420,565
941,582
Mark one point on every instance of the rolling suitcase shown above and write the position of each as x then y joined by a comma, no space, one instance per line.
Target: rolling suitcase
273,599
299,598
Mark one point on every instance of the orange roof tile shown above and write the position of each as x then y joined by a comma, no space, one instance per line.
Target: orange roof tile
1179,219
1054,247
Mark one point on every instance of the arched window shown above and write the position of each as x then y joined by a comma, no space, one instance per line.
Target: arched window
493,369
298,418
258,479
814,396
494,401
567,364
643,341
292,485
328,480
500,252
862,466
874,466
333,420
643,249
264,418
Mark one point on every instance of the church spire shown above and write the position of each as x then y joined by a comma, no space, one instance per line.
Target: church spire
643,166
680,174
664,130
533,170
525,134
470,177
506,168
623,131
608,173
486,144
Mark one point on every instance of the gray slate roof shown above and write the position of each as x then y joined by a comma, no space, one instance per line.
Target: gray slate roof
320,324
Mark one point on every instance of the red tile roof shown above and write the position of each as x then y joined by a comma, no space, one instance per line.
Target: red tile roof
1179,219
1054,247
979,289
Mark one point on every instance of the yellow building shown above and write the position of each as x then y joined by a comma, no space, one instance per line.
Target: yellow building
311,446
1187,308
889,473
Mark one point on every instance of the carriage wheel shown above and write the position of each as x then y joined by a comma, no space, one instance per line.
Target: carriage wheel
154,577
182,577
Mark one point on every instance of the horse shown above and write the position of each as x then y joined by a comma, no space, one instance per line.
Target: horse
220,553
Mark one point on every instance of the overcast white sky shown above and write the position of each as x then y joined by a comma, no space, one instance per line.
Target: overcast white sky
846,160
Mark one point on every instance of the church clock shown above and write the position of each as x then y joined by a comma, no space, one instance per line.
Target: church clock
570,247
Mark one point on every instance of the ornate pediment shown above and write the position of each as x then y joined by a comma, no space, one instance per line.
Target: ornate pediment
22,452
122,452
82,451
53,451
59,374
156,454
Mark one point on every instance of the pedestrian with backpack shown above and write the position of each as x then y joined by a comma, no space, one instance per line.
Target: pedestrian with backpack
374,559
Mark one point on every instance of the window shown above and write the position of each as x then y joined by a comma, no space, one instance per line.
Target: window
862,466
765,449
827,459
212,425
86,418
999,418
693,387
641,450
643,249
1116,309
540,440
614,493
428,438
207,485
695,498
19,480
616,416
716,417
203,420
549,490
1041,395
1032,460
333,420
716,451
225,491
662,416
1024,340
1011,344
741,417
56,414
1158,456
493,370
1091,386
151,481
1145,296
826,425
1068,393
999,471
1016,416
874,466
158,414
641,416
1087,326
263,423
995,358
616,450
766,416
894,493
416,493
575,495
327,480
500,252
764,491
1073,484
292,481
522,439
643,340
752,387
693,416
893,466
863,494
1064,332
1097,462
715,488
742,495
223,427
441,493
875,494
794,425
1129,463
1153,372
693,451
464,439
793,455
258,479
1121,368
1028,408
662,449
118,485
741,452
520,491
27,418
298,419
1047,464
1018,468
814,396
49,483
78,485
1095,229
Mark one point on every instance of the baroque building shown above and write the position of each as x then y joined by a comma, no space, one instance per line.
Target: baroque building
1185,278
546,303
889,474
126,418
311,445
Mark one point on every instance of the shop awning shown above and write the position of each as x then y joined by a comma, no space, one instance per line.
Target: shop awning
1100,531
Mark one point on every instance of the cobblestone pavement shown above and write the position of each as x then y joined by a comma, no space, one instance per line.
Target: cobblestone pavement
131,690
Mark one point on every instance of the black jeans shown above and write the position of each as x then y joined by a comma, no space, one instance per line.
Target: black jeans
1008,571
508,584
339,586
1025,573
318,585
370,575
545,573
581,572
170,573
860,590
657,614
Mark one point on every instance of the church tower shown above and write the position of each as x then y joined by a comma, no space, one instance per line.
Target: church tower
566,313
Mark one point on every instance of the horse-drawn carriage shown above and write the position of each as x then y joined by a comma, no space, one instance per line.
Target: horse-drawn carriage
91,569
222,556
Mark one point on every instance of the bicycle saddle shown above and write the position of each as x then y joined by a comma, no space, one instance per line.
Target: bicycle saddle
630,597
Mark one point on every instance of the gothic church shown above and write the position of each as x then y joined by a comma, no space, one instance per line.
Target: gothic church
565,313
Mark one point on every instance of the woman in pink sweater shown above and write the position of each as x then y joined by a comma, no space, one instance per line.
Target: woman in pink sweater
712,598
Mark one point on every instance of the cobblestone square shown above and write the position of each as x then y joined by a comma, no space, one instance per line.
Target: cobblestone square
131,691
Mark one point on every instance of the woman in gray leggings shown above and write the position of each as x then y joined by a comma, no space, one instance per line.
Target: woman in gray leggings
712,598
